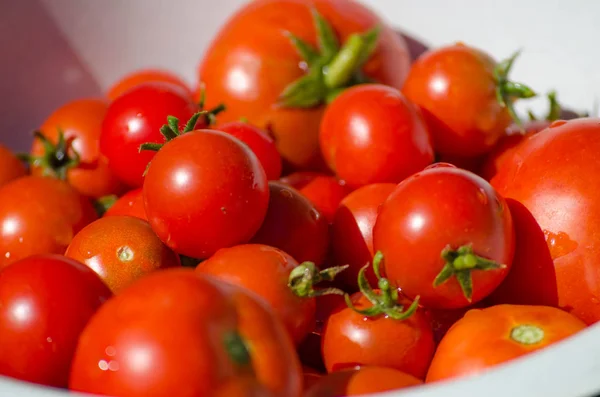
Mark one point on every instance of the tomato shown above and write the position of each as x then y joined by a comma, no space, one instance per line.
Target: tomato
311,377
458,88
198,336
294,225
254,74
372,134
362,381
446,236
487,337
143,76
121,249
52,154
39,215
45,302
552,180
130,204
10,166
260,142
352,230
198,204
443,319
136,118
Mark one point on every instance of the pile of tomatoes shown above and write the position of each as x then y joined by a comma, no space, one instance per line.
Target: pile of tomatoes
320,216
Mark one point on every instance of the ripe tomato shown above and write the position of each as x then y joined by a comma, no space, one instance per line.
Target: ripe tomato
198,204
251,72
121,249
372,134
447,236
130,204
140,77
487,337
136,118
39,215
216,334
260,142
465,96
294,225
352,230
311,377
10,166
552,180
52,154
45,302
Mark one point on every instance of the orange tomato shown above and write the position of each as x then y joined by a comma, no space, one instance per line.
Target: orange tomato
145,76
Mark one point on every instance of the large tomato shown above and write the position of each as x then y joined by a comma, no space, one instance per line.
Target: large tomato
130,204
253,73
178,333
10,166
143,76
45,302
39,215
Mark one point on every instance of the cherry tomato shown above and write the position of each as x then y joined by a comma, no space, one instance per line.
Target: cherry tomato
372,134
198,204
121,249
457,89
130,204
487,337
216,334
81,123
260,142
552,180
446,236
140,77
443,319
136,118
250,72
293,225
39,215
311,377
10,166
45,302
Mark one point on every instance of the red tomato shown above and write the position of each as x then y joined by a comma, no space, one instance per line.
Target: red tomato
352,230
443,319
249,72
372,134
140,77
121,249
446,236
81,123
294,225
552,178
199,204
311,377
10,166
130,204
39,215
457,87
216,334
45,302
260,142
484,338
136,118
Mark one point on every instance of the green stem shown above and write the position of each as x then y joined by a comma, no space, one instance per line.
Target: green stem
343,65
304,277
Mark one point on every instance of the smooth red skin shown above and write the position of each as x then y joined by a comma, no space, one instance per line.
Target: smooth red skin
443,319
455,88
249,72
482,338
352,231
144,76
10,166
362,381
136,118
431,210
98,246
552,179
351,339
81,121
187,357
130,204
294,225
265,271
40,215
198,204
372,134
45,302
259,142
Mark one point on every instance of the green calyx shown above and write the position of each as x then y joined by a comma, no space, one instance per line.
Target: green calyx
331,67
104,203
305,276
57,158
553,110
460,263
171,131
236,349
209,116
386,300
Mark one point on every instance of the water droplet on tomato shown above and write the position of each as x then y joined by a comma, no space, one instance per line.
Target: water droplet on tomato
559,244
103,365
286,193
7,255
314,214
482,197
595,300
